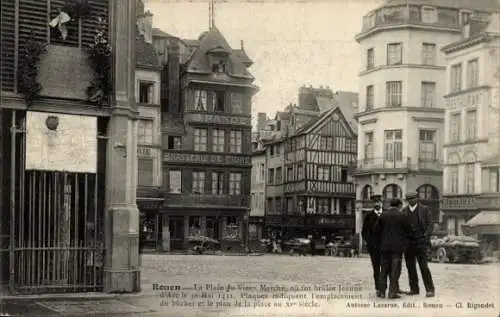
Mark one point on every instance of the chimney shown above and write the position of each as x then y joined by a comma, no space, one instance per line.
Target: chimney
261,121
170,79
145,25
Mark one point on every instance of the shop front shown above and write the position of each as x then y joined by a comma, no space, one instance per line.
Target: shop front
331,226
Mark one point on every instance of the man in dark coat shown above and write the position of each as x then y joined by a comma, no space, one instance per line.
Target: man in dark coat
420,219
395,232
372,239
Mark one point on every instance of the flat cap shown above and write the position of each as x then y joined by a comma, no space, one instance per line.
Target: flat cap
375,197
411,195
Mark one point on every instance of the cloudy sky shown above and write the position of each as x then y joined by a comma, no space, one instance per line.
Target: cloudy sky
292,43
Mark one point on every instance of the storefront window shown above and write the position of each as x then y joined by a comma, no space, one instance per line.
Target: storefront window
231,228
194,226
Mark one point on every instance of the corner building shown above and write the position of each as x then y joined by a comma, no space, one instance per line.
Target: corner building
401,108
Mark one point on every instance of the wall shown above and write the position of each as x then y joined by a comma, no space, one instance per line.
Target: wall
275,161
258,185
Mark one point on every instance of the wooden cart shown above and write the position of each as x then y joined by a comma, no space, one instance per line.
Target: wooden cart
455,249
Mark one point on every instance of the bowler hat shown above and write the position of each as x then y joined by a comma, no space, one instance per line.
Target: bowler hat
411,195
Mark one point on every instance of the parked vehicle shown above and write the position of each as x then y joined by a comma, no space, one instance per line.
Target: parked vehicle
341,247
204,245
454,249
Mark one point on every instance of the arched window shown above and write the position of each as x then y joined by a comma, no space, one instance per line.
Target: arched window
428,192
392,191
367,192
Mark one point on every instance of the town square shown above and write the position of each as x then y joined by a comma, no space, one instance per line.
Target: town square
250,158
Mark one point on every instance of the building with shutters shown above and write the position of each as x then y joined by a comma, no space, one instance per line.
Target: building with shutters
471,184
401,87
68,150
206,100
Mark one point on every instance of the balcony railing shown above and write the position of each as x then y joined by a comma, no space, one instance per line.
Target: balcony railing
409,14
206,200
148,192
459,202
405,163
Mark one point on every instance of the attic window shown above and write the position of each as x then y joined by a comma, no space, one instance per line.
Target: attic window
146,92
219,67
465,16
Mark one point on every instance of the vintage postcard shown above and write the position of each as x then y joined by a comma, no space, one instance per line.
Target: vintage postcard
250,158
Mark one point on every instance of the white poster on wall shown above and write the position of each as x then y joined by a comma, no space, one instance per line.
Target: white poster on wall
61,142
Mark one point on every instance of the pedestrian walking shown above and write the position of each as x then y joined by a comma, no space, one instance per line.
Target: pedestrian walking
372,238
395,232
420,219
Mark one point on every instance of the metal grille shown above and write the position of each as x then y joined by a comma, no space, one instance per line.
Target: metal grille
56,229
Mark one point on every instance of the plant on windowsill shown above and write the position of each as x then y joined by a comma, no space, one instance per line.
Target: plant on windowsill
29,61
99,54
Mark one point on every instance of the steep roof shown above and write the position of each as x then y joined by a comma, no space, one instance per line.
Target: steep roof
146,54
313,124
159,33
479,5
347,102
210,40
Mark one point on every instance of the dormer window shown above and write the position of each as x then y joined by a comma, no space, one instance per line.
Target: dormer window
219,67
429,14
465,16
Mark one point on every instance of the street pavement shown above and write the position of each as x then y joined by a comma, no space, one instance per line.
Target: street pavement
273,285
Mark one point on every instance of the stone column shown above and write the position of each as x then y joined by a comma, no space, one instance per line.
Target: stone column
122,263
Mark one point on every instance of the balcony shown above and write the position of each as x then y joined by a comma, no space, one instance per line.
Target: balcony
408,14
202,201
381,165
459,202
149,198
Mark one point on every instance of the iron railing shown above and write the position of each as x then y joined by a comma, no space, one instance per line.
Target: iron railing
399,163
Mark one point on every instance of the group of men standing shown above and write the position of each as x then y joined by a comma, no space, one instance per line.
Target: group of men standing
396,232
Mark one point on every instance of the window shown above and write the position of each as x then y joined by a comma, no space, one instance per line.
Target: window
175,181
465,17
394,93
270,176
368,145
270,205
236,103
394,54
200,140
218,140
323,206
145,172
289,205
455,127
428,54
219,67
235,142
456,78
427,140
393,145
262,178
301,205
218,183
145,132
494,180
278,206
454,179
392,191
369,97
200,100
428,94
279,175
174,142
235,184
367,192
370,58
469,177
343,175
472,73
218,101
300,172
429,15
198,182
471,125
289,174
323,173
146,92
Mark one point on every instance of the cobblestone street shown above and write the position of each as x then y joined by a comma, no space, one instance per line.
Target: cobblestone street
455,284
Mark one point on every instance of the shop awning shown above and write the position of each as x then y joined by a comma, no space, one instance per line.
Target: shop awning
485,222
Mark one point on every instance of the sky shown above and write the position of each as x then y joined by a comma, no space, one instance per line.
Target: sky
292,43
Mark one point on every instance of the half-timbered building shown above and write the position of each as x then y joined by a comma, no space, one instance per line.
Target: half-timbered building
68,146
318,190
206,111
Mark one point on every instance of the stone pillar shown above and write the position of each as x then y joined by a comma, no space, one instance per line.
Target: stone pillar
122,263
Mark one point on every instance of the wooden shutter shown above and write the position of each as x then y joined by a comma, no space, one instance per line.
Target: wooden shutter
33,17
90,22
7,47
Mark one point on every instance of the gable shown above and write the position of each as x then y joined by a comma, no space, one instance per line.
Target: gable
333,124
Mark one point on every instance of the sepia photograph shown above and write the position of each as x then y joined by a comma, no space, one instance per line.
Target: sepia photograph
261,158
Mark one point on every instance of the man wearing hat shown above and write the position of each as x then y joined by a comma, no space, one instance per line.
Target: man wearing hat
372,238
420,220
